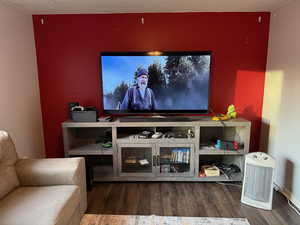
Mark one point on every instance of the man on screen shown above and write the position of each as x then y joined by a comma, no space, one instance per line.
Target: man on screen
139,97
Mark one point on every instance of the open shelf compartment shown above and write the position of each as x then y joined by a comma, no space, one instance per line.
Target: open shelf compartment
169,134
210,135
88,141
222,162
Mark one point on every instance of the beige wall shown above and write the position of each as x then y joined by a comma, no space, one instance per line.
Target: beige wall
20,111
281,110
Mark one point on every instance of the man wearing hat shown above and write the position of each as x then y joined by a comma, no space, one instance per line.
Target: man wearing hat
139,97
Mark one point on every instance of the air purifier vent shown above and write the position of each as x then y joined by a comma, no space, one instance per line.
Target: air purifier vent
257,186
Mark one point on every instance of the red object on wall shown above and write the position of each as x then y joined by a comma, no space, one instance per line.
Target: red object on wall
68,48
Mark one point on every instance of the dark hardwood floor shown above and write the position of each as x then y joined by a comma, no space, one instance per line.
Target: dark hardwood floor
184,199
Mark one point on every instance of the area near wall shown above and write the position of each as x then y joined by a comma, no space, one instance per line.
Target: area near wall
20,112
281,109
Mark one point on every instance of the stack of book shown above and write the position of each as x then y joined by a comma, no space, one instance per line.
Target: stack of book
180,155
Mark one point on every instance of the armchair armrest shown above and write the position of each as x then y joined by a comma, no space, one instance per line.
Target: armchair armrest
46,172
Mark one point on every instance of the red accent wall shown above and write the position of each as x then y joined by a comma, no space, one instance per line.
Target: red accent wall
68,64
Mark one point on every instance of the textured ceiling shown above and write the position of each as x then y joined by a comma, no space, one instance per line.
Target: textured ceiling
129,6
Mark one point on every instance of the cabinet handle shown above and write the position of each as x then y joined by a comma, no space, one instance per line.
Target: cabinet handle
154,161
157,160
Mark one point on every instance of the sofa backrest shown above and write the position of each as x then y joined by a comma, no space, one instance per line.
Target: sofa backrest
8,158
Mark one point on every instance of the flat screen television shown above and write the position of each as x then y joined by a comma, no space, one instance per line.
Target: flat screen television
155,82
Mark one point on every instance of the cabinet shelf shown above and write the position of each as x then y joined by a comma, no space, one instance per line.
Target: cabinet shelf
216,151
91,149
128,139
136,168
221,178
174,163
174,177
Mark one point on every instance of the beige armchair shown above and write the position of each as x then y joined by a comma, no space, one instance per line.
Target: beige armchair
40,191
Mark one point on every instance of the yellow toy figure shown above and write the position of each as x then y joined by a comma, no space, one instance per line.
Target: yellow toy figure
231,114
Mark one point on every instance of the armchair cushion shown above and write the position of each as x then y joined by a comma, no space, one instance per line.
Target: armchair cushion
8,157
43,172
50,205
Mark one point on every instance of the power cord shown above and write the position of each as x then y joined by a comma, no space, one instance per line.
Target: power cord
290,203
293,207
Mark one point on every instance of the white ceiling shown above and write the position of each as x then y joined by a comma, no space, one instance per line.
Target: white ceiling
131,6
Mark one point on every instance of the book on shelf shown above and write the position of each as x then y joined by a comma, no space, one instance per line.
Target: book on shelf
180,155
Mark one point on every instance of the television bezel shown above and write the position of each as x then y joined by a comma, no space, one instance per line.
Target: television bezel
153,53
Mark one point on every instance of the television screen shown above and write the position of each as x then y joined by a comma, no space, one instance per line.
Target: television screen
155,82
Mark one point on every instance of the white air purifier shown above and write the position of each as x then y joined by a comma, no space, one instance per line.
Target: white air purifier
258,180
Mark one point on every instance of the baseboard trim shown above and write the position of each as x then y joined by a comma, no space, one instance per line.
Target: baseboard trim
289,196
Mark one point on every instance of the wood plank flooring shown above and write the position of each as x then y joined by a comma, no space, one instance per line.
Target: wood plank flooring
184,199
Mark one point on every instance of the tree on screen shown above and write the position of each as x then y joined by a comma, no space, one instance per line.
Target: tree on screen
120,92
182,69
156,79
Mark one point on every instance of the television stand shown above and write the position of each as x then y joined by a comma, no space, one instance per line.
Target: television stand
177,158
155,119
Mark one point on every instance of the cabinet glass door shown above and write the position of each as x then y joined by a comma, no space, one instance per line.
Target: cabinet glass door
135,160
175,160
